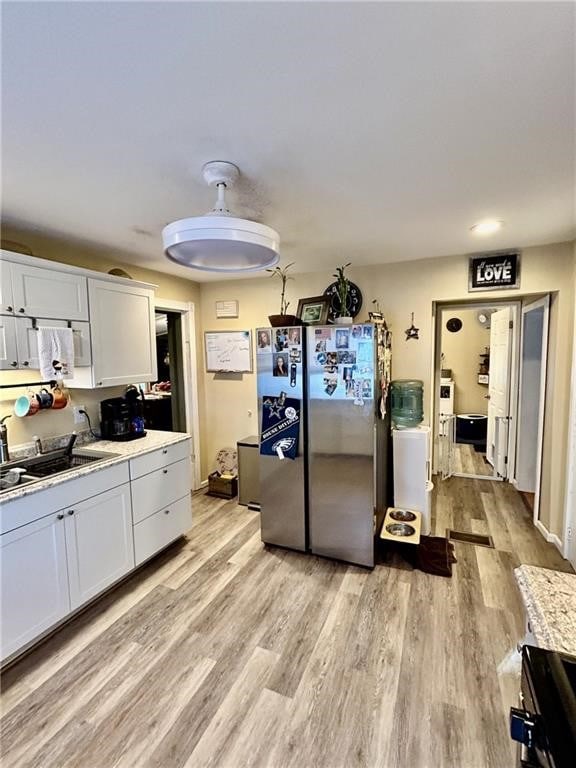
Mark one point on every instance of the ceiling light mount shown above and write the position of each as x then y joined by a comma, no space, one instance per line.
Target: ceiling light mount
219,241
487,227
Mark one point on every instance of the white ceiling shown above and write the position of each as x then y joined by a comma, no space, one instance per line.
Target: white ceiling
366,132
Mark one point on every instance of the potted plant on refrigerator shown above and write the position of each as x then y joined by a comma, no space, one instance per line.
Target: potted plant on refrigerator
343,289
283,319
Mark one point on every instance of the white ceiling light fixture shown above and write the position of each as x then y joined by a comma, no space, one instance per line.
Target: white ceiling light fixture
218,241
487,227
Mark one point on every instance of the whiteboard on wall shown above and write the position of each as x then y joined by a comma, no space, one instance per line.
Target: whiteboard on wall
228,351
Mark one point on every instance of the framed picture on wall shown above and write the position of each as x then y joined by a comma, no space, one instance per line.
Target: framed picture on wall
313,310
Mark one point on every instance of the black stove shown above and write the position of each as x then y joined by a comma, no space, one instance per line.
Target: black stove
545,723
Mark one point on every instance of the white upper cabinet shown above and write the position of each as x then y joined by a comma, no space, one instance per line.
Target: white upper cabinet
27,340
6,300
42,292
8,350
123,333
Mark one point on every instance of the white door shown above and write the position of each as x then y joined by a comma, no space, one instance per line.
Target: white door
8,348
28,341
499,390
123,333
41,292
34,581
99,543
531,396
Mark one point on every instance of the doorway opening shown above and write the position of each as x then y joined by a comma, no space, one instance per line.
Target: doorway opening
489,392
164,407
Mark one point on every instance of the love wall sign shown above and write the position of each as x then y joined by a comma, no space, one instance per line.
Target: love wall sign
488,272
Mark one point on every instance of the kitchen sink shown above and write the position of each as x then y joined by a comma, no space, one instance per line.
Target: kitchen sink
34,468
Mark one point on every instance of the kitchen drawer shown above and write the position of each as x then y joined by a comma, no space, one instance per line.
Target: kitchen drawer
142,465
158,530
153,491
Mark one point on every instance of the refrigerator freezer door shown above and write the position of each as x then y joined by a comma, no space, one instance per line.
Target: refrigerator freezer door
282,481
341,414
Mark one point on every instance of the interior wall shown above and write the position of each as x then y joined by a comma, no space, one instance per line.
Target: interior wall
49,423
462,354
402,288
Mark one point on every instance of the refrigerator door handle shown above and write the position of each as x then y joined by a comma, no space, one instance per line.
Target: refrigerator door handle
375,467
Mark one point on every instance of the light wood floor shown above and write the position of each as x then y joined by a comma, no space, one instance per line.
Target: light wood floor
467,460
223,653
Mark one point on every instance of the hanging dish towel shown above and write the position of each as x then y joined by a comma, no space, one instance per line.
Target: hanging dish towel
56,352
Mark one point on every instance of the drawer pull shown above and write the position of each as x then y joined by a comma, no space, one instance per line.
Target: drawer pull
70,511
165,450
165,471
60,517
166,511
9,309
22,310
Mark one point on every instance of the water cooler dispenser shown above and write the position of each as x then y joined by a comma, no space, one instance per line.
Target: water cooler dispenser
412,484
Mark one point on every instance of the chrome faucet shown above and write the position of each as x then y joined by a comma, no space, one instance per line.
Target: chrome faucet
4,453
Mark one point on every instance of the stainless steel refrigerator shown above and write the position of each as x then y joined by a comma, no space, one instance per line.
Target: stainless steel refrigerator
280,354
332,497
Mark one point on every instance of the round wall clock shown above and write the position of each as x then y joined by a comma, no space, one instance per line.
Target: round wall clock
454,324
353,303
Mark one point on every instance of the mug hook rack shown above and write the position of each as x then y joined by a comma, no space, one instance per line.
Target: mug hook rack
51,383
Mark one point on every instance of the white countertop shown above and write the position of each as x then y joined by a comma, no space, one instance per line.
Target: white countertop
123,451
550,600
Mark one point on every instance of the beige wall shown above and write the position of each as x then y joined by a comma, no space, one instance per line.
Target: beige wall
227,409
230,404
50,423
462,354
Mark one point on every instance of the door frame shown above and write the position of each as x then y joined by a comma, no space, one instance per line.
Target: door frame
544,302
187,311
569,548
438,308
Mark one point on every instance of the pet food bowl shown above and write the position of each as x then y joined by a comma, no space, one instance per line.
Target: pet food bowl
403,515
401,529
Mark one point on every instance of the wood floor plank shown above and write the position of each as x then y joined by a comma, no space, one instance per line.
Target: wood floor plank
213,748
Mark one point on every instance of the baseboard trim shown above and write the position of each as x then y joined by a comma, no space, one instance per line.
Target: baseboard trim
551,538
203,483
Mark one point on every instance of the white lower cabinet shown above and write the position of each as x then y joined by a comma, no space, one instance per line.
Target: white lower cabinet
54,559
157,531
99,543
35,593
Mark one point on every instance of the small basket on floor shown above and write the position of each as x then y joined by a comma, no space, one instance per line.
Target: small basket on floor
223,482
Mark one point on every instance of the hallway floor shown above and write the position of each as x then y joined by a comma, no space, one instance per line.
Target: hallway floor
223,653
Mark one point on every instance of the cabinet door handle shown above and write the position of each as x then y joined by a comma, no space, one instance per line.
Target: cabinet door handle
165,471
166,511
70,511
165,450
14,364
22,310
60,517
9,309
25,363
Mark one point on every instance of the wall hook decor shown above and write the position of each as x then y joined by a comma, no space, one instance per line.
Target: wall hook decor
412,332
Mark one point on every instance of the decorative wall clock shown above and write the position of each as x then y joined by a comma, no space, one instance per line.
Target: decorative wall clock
454,324
353,304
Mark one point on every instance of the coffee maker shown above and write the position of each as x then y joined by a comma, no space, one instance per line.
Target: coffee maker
122,417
